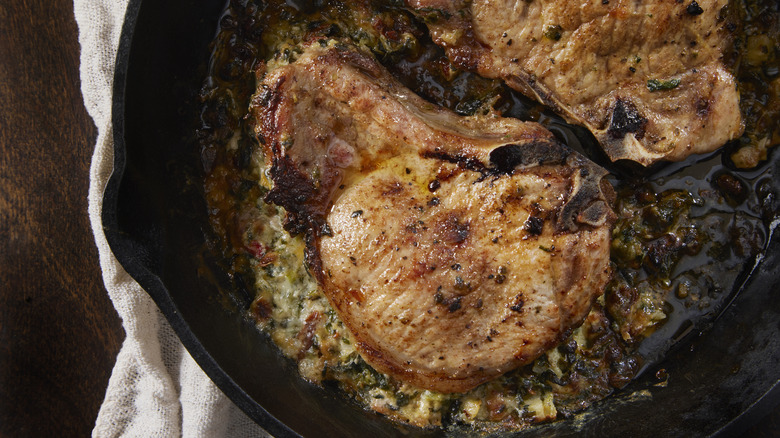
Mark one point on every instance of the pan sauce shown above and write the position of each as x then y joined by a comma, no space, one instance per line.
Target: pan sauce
685,234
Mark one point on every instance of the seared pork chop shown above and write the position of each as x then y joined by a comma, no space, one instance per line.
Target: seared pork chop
646,77
453,248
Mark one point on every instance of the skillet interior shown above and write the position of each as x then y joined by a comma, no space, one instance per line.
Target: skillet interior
154,219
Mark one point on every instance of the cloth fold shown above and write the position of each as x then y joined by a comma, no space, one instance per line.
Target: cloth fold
156,389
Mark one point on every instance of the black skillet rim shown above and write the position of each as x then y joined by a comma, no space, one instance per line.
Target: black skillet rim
150,282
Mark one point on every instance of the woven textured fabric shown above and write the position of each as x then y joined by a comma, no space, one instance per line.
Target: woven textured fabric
156,388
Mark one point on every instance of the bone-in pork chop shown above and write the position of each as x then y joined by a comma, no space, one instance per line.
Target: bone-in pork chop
453,248
648,78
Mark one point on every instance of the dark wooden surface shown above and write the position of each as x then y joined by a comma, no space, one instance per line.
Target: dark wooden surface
59,334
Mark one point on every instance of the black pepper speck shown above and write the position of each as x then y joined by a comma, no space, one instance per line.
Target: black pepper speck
694,9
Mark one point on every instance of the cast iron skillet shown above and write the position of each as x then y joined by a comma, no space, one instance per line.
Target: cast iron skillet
154,217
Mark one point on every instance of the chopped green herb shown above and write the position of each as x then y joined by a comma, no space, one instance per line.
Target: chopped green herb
553,32
656,85
432,15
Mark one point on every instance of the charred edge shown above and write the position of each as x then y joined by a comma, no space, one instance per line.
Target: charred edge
469,163
537,153
312,257
268,103
626,120
292,189
295,192
263,98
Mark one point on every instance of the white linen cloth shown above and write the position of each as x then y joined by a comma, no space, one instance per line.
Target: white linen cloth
156,388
